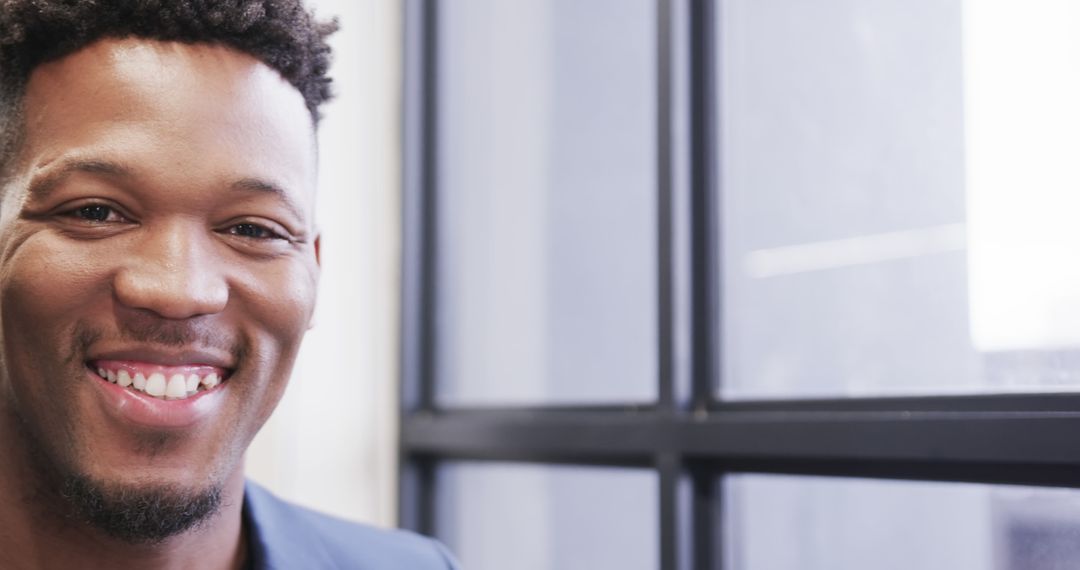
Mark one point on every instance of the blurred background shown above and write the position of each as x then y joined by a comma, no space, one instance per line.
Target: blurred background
740,284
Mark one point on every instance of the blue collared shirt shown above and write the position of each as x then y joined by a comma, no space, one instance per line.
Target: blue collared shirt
282,536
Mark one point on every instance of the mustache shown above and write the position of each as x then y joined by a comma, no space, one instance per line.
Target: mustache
155,331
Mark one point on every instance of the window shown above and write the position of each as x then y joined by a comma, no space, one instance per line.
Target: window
687,279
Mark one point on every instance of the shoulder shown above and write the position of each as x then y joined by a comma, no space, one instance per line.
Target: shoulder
283,535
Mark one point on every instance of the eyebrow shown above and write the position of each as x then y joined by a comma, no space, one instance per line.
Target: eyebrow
42,186
260,185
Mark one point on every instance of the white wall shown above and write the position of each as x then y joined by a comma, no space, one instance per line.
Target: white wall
331,444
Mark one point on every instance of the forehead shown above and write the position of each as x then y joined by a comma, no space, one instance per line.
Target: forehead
182,113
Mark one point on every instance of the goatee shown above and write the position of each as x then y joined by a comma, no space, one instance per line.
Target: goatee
138,514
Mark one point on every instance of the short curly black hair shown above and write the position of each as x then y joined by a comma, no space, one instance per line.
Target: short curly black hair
283,34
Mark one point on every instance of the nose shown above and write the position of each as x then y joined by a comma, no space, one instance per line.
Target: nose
173,273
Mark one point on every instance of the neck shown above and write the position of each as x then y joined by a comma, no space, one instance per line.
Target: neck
37,529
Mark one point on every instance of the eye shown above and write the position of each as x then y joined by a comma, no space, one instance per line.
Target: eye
98,213
254,231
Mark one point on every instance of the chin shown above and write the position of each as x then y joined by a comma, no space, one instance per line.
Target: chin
132,495
139,512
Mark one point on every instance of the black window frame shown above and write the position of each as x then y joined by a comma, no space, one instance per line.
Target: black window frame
688,436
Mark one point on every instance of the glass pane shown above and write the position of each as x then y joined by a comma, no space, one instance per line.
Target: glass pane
547,188
496,516
854,524
899,194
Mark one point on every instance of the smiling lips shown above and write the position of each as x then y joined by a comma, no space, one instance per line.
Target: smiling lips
159,381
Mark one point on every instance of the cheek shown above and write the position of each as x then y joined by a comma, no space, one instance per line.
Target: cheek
50,266
282,296
46,286
281,299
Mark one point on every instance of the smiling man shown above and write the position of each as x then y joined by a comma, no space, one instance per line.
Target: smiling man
158,269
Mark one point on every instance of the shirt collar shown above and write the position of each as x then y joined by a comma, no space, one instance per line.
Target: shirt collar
278,537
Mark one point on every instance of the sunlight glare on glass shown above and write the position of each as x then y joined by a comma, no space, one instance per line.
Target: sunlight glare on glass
1022,136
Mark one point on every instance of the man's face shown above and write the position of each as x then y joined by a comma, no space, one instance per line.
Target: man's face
158,223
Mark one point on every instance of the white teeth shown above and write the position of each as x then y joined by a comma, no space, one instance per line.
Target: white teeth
177,387
155,384
192,383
